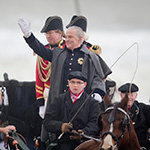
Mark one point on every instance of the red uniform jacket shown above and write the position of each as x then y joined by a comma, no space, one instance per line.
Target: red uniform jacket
43,71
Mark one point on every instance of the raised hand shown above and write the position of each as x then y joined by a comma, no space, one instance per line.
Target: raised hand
25,28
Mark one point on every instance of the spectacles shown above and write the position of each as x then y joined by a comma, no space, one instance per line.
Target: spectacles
77,83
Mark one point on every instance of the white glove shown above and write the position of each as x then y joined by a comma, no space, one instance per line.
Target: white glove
97,97
42,111
25,28
43,108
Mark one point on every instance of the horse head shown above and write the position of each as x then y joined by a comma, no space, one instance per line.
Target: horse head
117,131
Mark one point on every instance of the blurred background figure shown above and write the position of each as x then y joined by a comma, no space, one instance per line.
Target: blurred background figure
139,113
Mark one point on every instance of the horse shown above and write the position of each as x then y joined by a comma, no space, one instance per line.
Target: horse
117,130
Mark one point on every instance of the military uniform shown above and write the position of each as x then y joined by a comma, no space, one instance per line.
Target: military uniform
74,61
43,67
43,72
81,21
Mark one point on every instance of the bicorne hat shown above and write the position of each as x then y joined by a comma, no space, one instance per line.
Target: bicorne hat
52,23
76,75
128,87
79,21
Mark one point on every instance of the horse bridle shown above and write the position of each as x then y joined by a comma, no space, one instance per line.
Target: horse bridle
125,124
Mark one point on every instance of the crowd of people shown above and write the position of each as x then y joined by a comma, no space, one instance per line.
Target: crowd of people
75,56
71,83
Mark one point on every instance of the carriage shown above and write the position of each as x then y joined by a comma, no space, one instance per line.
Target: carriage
17,99
22,103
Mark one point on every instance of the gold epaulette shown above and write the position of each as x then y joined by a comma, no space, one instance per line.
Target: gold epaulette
96,49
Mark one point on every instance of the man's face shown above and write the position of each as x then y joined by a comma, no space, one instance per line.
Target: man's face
72,40
131,96
76,85
53,37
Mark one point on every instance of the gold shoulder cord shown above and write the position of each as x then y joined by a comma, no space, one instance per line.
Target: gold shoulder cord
48,67
61,44
40,63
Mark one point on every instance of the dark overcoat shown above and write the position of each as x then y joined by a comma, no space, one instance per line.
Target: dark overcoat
63,109
93,67
140,115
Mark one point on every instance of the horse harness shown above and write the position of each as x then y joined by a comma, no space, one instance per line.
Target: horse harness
125,124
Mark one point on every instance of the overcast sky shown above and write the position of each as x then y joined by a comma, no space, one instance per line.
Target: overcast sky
114,25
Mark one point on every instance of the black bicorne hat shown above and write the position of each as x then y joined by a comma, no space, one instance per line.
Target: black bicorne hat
79,21
126,88
52,23
76,75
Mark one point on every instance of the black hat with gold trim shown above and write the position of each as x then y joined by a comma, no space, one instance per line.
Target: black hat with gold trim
128,87
52,23
79,21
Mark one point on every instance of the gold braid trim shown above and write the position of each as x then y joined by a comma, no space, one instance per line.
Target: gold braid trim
40,63
38,87
38,91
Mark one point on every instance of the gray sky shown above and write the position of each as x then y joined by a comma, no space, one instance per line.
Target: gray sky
114,25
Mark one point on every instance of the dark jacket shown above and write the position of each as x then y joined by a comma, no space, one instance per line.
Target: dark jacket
140,115
93,67
62,110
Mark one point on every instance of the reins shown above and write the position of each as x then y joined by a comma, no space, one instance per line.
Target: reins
86,136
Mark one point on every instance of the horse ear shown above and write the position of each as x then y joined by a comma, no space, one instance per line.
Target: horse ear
107,100
124,102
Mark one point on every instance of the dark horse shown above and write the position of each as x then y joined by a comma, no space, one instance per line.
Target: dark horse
117,130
